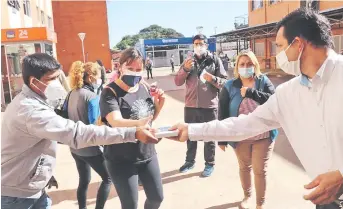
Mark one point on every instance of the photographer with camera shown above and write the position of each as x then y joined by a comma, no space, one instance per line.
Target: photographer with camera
204,76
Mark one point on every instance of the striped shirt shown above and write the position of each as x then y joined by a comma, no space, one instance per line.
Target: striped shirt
247,106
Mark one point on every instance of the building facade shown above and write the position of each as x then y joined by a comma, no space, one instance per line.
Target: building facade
263,16
160,50
74,17
26,27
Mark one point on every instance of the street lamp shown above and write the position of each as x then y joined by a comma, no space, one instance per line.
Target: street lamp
82,37
199,29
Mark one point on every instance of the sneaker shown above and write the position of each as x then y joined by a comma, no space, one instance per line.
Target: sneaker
186,167
208,171
245,204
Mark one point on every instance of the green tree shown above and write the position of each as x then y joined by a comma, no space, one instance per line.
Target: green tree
151,32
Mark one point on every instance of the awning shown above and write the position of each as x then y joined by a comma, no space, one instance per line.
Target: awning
335,17
27,34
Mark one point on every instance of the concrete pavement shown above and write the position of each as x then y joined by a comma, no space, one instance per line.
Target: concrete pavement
188,191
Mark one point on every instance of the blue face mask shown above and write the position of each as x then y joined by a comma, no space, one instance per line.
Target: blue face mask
131,80
246,72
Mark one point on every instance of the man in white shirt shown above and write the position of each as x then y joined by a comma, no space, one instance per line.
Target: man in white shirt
308,107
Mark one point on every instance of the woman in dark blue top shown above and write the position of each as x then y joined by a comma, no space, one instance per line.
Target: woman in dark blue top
243,95
128,102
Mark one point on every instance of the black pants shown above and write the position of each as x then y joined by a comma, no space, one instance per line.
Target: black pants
330,206
125,180
172,64
200,115
149,72
83,165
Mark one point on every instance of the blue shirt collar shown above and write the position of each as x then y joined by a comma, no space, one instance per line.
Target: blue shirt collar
324,71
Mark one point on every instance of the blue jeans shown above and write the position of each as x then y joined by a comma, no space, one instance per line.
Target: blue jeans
44,202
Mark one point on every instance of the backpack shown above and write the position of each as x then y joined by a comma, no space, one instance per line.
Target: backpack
63,110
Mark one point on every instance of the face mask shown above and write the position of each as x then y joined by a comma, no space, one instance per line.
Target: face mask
131,78
246,72
200,50
54,92
97,84
289,67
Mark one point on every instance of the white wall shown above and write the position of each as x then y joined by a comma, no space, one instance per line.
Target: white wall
14,17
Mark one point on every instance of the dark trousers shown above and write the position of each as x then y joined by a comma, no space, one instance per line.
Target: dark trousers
149,72
83,165
200,115
172,64
330,206
125,179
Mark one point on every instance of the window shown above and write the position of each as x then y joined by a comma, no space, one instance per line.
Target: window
49,22
259,49
42,17
272,48
273,1
160,54
27,7
338,41
38,11
256,4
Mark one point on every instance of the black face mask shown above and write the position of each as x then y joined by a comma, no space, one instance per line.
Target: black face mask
131,80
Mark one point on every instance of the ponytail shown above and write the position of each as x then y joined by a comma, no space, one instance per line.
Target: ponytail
76,75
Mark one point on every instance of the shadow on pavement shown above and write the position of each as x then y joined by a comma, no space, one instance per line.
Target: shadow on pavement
64,195
284,149
225,206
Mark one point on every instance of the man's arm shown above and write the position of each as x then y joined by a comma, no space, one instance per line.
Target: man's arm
263,119
46,124
219,79
181,76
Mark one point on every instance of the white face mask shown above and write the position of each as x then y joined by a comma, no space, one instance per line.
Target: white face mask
97,84
54,92
289,67
200,50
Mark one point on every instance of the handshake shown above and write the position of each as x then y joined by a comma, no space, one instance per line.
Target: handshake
146,134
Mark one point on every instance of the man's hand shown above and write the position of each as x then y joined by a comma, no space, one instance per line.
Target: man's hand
208,77
189,63
52,183
159,100
183,132
144,122
222,147
146,135
327,188
243,91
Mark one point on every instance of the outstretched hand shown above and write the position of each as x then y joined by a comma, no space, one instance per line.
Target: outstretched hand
183,132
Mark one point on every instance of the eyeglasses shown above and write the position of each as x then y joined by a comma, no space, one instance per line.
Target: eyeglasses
199,44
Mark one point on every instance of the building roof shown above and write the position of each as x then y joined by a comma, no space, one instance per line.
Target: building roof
269,29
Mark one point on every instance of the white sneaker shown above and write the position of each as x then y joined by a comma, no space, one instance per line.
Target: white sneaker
245,204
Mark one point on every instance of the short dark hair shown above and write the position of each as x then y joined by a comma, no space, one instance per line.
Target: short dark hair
129,55
37,65
200,37
309,25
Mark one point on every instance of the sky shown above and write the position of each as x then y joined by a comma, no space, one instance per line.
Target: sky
129,17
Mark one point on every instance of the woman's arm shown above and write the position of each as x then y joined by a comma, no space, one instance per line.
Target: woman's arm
223,107
261,96
115,119
159,100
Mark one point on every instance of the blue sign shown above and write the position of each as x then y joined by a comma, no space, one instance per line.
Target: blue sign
10,34
178,41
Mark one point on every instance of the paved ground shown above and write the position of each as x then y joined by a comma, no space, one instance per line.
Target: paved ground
189,191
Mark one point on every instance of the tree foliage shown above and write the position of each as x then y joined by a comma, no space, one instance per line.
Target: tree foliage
151,32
